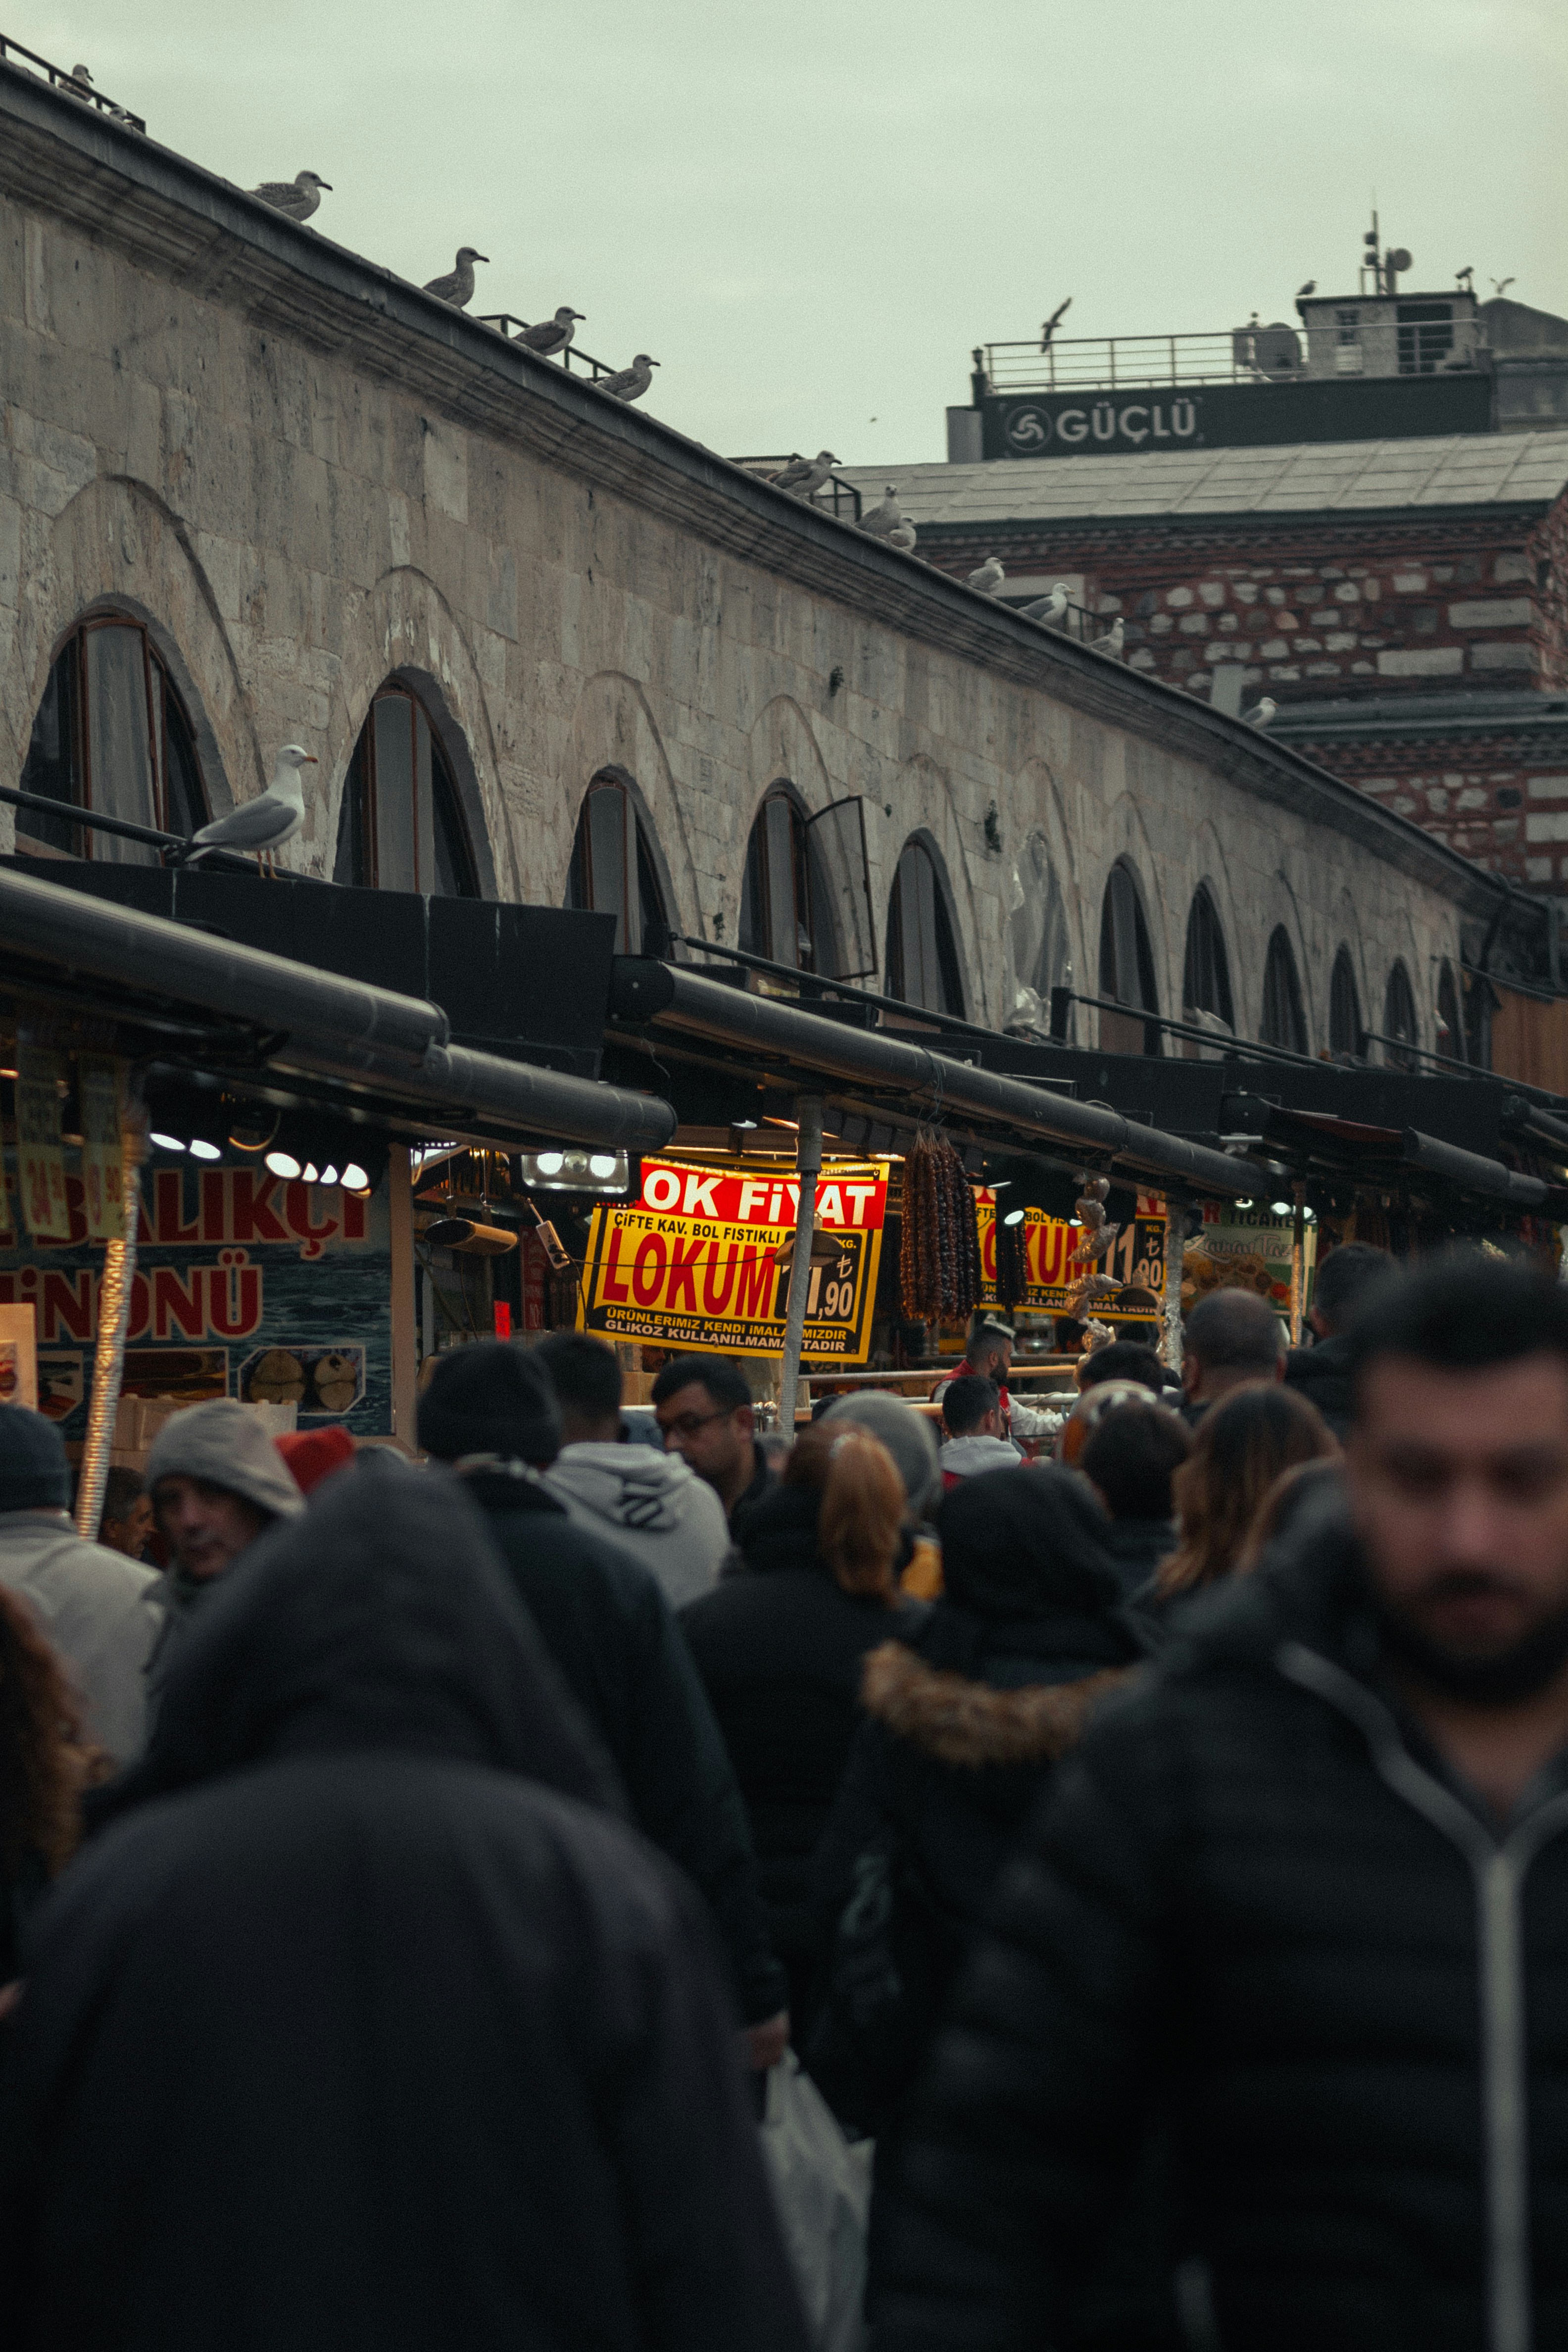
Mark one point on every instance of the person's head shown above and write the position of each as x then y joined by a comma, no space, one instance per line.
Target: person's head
860,1504
971,1407
587,1377
989,1346
126,1520
1344,1281
1123,1359
42,1752
1131,1457
34,1473
217,1480
703,1408
1286,1501
907,1434
1241,1446
1022,1543
1231,1338
1457,1473
491,1403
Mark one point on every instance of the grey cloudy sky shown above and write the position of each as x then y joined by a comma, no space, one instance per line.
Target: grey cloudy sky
809,213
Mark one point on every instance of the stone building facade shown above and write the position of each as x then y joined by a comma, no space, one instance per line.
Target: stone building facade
307,479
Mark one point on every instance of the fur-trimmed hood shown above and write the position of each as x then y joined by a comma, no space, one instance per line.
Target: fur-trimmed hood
972,1724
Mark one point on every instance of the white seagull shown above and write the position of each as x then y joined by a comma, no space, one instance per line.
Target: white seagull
551,335
1049,610
259,828
297,198
902,535
883,521
457,286
628,384
1262,710
988,578
807,476
1111,642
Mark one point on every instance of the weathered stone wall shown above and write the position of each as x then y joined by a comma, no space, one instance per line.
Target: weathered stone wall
295,526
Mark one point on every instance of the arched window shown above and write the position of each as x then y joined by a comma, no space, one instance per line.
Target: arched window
1450,1027
1284,1022
111,736
1345,1034
613,872
1206,969
1126,967
922,962
1399,1019
1042,953
401,825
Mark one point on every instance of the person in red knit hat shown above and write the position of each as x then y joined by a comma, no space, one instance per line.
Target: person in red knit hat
313,1455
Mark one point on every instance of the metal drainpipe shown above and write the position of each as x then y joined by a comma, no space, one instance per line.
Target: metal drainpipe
808,1162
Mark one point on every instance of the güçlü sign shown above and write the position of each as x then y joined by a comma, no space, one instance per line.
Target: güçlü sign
694,1261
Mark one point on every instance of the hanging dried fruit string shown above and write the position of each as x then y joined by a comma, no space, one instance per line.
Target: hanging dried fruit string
939,1249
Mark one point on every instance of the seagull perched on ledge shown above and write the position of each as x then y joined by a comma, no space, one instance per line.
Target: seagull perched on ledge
883,521
988,578
551,335
628,384
807,476
902,535
259,828
1049,610
457,286
1262,710
297,198
1111,642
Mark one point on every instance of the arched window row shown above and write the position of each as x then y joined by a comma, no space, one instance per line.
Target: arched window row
1206,1002
922,955
613,871
111,736
1399,1019
1126,966
399,826
1347,1035
1284,1019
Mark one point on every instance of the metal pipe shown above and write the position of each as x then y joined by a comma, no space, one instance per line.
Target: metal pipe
808,1161
1472,1171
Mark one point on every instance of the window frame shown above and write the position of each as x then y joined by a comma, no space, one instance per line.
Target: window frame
359,808
1205,931
1114,1026
1399,1008
171,726
1283,990
915,856
638,871
1344,964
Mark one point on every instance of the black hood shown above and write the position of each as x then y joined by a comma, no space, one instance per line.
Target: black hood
779,1529
1311,1586
381,1618
1026,1543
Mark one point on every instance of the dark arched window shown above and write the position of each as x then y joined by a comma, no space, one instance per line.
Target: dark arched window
613,872
1399,1019
922,962
1206,969
111,736
1450,1027
401,825
1345,1037
1284,1022
1126,967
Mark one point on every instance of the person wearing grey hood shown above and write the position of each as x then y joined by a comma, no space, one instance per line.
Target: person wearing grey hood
97,1608
216,1482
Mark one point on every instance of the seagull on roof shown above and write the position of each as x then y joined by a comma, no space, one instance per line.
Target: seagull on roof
80,84
988,578
1302,292
807,475
882,521
1053,322
903,536
1111,642
259,828
551,335
1262,711
628,384
457,286
1051,610
297,198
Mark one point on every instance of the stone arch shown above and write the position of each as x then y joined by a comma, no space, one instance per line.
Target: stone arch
783,748
613,732
921,837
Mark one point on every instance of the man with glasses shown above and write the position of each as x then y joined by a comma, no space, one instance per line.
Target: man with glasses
703,1407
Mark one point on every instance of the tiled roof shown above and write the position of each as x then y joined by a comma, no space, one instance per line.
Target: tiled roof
1301,478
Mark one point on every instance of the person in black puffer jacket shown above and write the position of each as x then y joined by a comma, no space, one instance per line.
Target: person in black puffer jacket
1321,1374
779,1646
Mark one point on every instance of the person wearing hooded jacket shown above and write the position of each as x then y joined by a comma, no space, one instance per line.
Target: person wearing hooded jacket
216,1482
489,1409
653,1503
362,2018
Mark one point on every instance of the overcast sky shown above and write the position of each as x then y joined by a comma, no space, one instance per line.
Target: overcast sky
809,213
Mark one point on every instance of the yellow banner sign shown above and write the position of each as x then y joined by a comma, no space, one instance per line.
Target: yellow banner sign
694,1261
1135,1262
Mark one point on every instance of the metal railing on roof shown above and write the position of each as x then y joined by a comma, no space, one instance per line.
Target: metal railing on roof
843,503
58,77
573,359
1110,362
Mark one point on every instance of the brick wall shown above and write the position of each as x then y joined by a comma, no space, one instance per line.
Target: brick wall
1502,801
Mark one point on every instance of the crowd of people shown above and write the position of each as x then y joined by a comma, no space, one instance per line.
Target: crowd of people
1152,1846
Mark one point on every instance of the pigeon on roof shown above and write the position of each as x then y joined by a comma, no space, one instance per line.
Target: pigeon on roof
1049,611
297,198
457,286
903,536
881,522
1111,642
1262,711
807,475
628,384
988,578
259,828
1302,292
551,335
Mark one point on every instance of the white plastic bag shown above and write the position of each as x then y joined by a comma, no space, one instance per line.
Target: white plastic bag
822,2185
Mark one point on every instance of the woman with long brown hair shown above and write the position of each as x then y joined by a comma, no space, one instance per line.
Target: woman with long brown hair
44,1766
1243,1443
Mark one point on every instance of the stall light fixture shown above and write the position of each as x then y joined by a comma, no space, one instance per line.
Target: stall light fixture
166,1142
1014,1216
1244,1204
329,1174
353,1178
549,1164
578,1170
601,1164
281,1163
202,1149
743,1126
1279,1208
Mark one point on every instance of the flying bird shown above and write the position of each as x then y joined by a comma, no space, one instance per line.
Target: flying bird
1499,285
552,335
1053,322
807,475
1111,642
882,521
259,828
1302,292
457,286
297,198
903,536
628,384
1049,610
988,578
1262,711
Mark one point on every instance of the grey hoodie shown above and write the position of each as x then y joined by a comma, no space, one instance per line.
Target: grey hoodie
654,1503
224,1444
966,1458
98,1609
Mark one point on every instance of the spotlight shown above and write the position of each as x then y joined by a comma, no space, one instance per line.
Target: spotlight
281,1163
601,1164
1280,1209
744,1125
1244,1204
166,1142
308,1174
329,1174
579,1170
549,1164
202,1149
353,1179
1014,1216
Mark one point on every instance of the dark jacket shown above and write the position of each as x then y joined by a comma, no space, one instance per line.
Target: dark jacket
1257,1898
356,2025
779,1648
1322,1375
1137,1546
608,1627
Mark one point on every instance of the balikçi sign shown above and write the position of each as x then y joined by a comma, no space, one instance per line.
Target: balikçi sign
693,1261
1135,1260
246,1286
